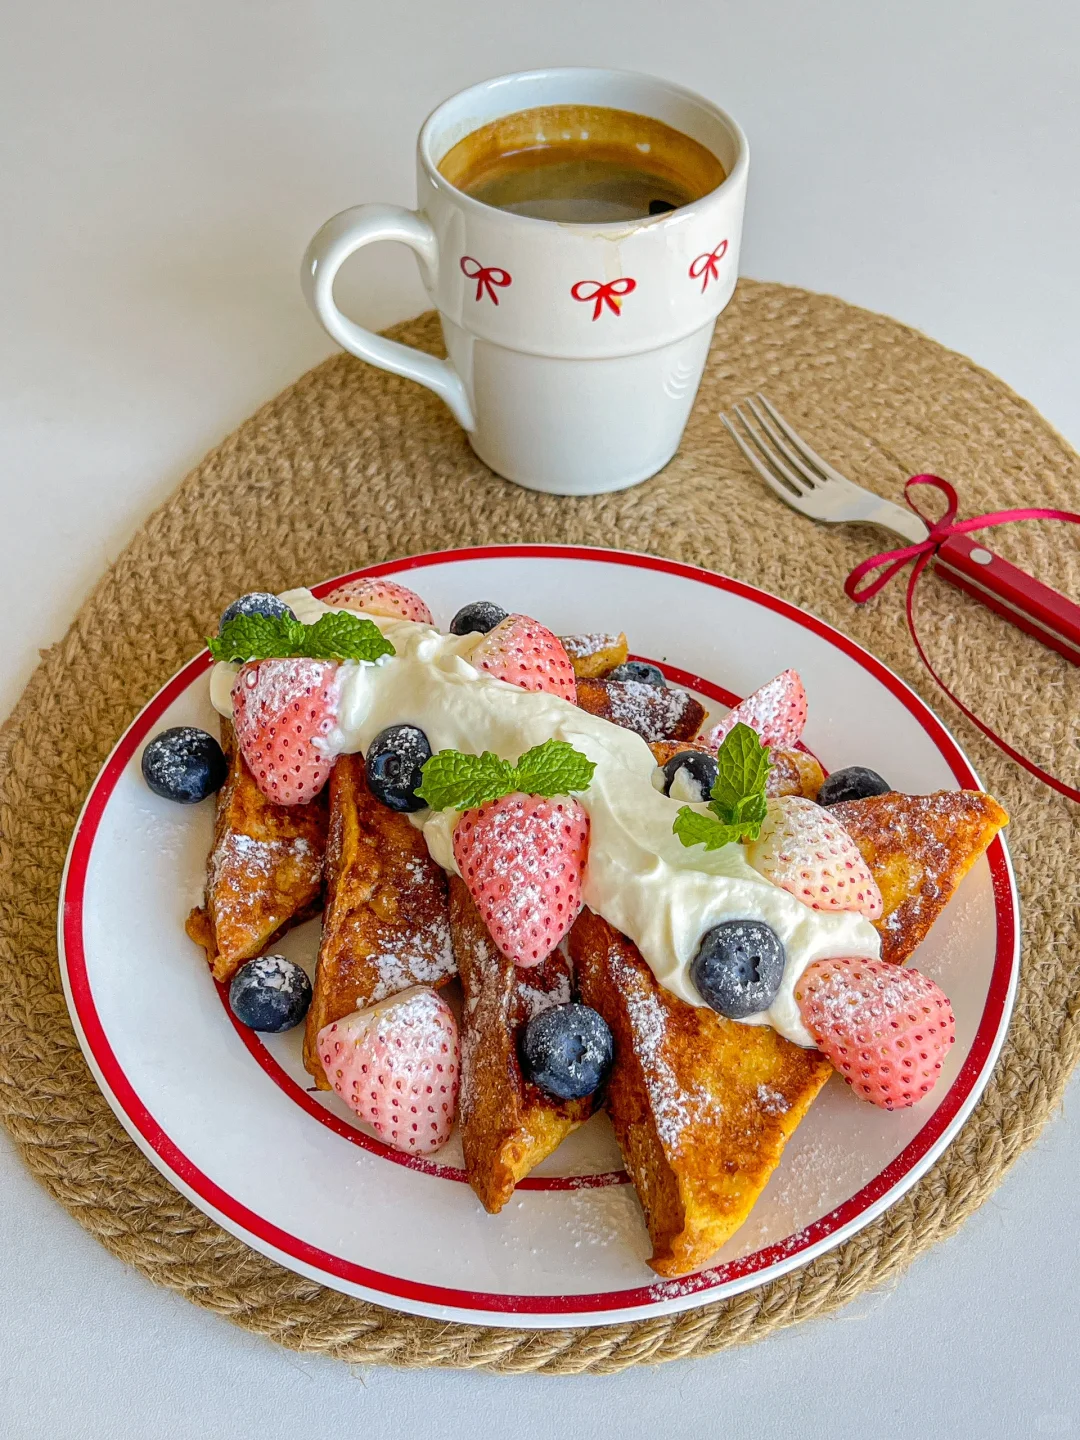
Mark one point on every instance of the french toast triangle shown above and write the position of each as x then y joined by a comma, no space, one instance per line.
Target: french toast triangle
918,848
264,871
701,1106
385,923
507,1125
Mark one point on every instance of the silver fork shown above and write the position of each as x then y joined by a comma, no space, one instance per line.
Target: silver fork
803,480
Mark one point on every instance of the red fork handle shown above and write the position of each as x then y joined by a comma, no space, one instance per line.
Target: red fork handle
1032,606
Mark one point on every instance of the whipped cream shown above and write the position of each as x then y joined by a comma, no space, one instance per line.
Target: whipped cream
639,876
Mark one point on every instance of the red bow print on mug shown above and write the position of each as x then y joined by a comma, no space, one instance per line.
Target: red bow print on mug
860,587
602,294
486,277
707,265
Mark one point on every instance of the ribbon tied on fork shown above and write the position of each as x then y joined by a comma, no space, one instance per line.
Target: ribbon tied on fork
891,562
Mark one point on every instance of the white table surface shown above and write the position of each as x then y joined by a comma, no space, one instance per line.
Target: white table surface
161,168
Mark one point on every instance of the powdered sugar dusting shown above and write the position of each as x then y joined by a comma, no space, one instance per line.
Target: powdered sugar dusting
772,1101
777,712
422,956
673,1107
241,864
653,711
579,646
535,1001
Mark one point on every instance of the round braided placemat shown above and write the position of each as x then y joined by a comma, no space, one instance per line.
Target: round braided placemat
350,466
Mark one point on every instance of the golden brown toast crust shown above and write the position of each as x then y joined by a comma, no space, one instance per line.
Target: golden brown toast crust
918,848
385,924
793,772
264,872
654,712
507,1125
595,655
702,1106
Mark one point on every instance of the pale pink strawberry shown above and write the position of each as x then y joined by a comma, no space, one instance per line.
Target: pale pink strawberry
777,712
284,712
396,1064
525,653
522,859
380,597
887,1030
803,848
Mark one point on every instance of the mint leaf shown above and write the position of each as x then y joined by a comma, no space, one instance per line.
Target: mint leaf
255,637
743,763
738,800
749,812
337,635
695,828
453,781
553,768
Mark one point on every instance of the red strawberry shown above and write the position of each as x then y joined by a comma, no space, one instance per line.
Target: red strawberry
522,858
887,1030
380,597
396,1064
283,712
777,712
804,849
524,653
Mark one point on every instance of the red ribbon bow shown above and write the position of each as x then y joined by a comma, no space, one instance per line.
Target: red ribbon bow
707,265
603,294
486,277
891,562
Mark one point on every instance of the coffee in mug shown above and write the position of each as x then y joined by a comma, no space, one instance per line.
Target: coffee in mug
581,165
578,232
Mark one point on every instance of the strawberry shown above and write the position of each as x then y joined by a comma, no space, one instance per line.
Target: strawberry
804,849
522,652
396,1064
283,712
777,712
522,858
380,597
887,1030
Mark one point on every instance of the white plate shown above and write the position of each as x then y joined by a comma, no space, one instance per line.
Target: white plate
229,1118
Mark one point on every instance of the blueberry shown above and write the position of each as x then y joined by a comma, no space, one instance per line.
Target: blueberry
854,783
270,993
256,602
738,967
184,764
639,670
394,761
698,772
477,618
567,1051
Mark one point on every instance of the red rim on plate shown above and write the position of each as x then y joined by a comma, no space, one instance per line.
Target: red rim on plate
796,1249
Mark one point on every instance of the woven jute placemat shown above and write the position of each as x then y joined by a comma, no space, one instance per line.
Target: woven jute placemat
350,466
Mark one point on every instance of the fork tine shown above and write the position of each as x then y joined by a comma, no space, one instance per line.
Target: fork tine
777,486
800,444
800,486
806,473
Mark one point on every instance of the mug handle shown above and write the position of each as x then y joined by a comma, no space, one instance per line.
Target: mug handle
328,251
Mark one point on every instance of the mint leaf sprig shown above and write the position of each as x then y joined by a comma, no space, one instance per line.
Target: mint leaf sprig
455,781
738,801
337,635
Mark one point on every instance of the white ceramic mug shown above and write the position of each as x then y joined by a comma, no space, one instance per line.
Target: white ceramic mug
575,350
